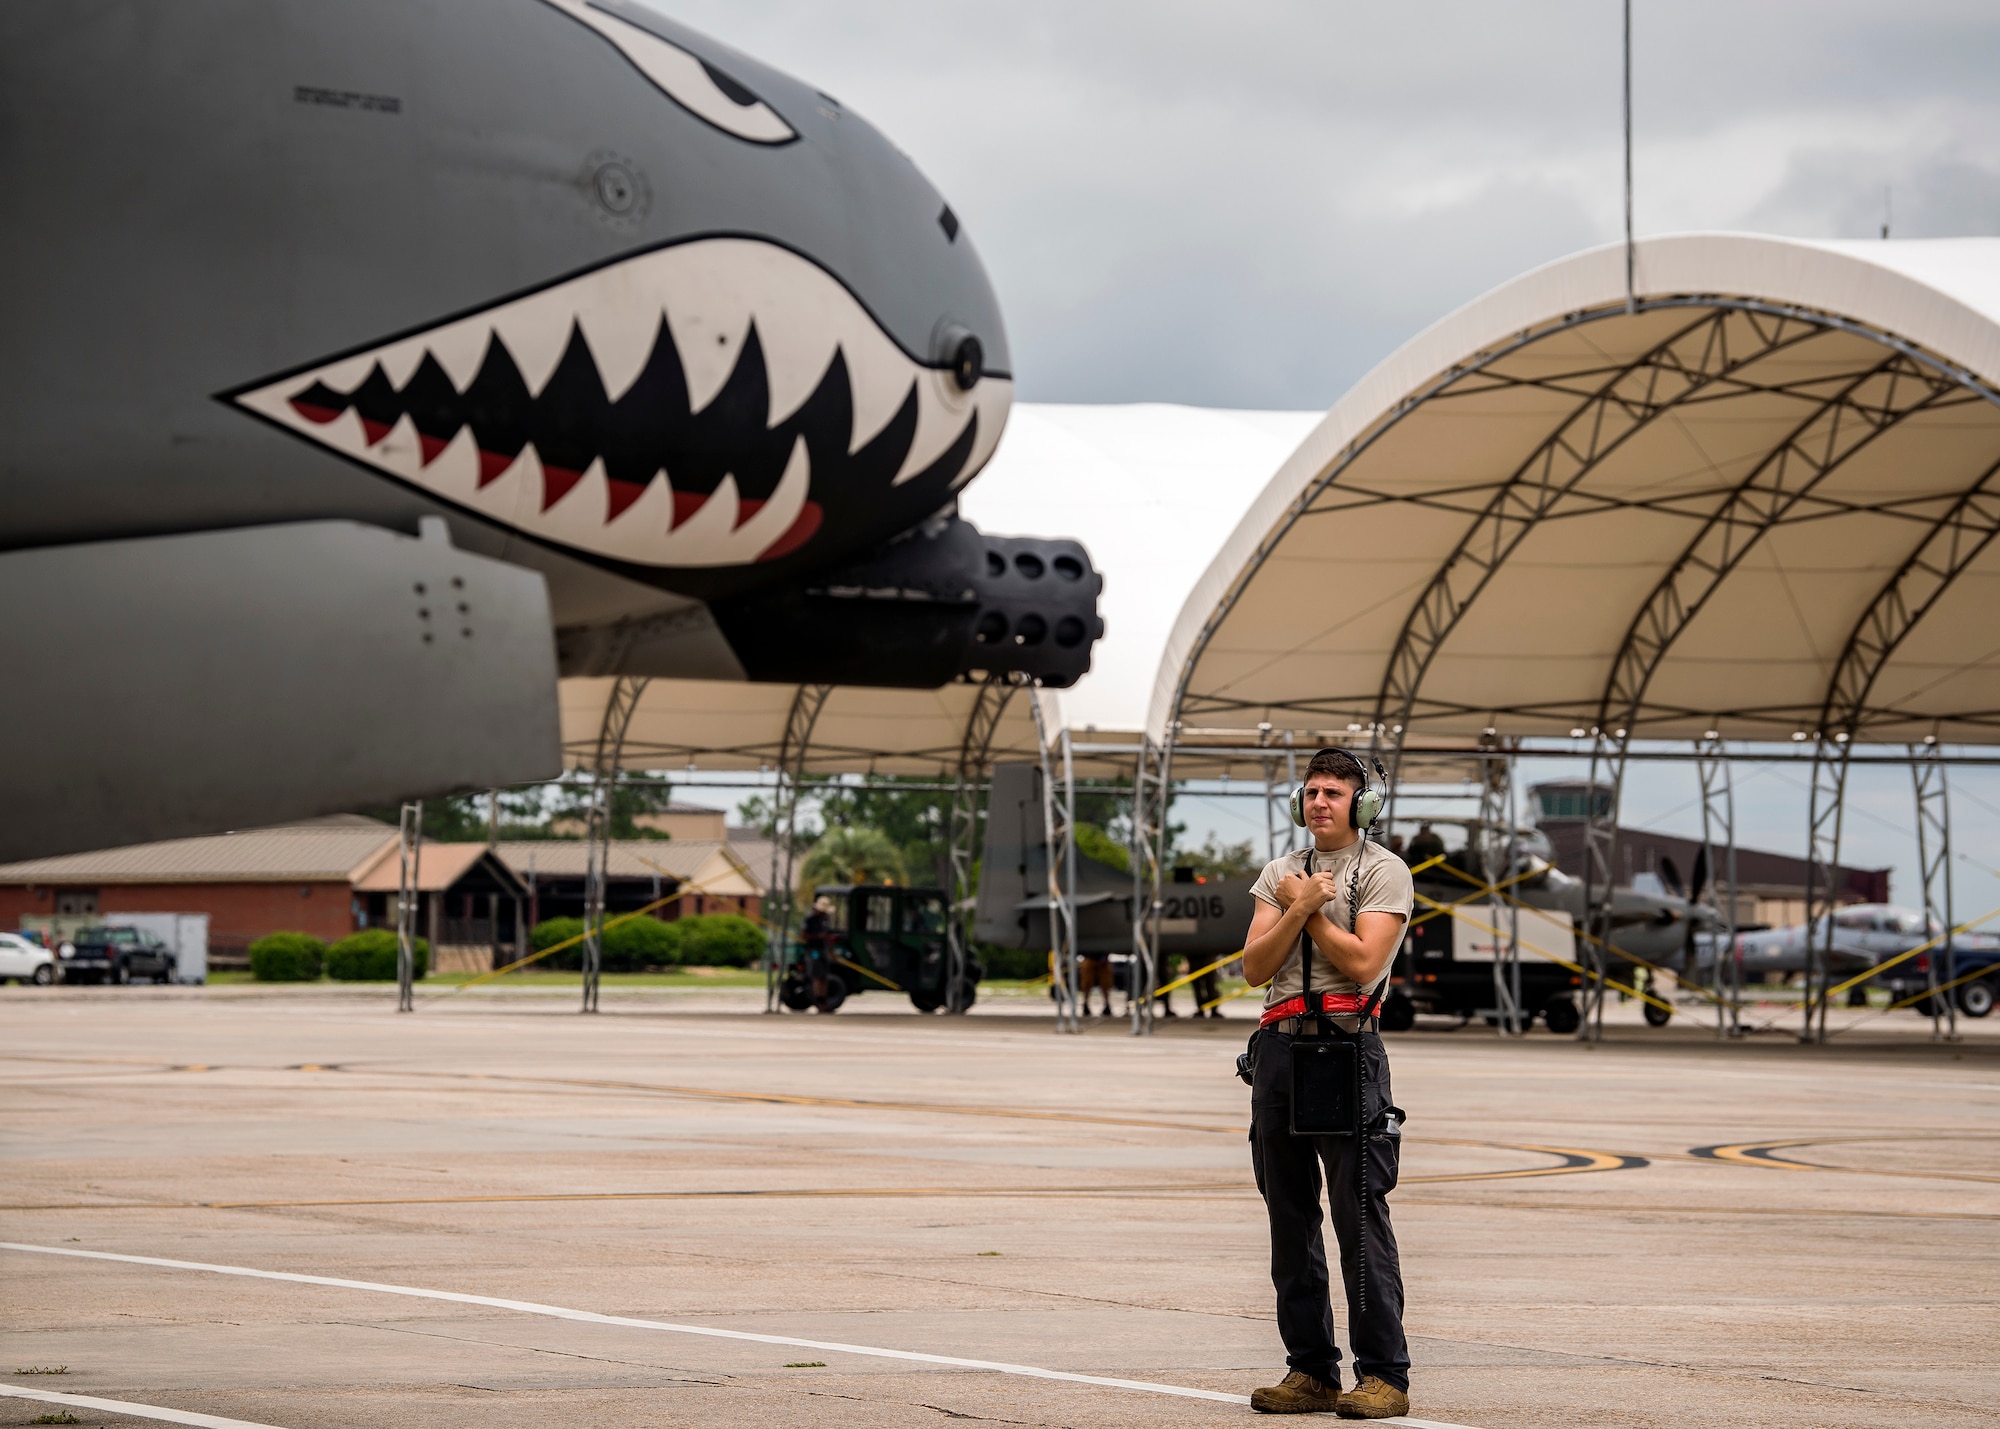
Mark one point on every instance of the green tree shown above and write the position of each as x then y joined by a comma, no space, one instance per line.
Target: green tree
1215,859
852,854
555,809
1093,842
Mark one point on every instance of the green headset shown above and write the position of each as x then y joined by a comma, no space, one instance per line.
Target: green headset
1368,799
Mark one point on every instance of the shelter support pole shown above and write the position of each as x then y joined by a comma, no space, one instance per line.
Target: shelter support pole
975,752
409,850
1069,854
1059,838
1600,861
1270,766
1152,792
1493,839
1829,797
1927,771
619,708
1718,843
804,714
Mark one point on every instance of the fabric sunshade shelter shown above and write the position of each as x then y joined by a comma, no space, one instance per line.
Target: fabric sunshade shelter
1760,503
1150,489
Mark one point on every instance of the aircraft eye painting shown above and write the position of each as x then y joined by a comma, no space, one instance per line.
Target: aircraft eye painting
720,402
691,82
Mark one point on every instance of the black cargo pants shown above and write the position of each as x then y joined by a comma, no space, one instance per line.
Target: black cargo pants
1288,1177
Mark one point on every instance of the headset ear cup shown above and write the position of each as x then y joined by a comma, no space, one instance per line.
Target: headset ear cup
1367,804
1299,806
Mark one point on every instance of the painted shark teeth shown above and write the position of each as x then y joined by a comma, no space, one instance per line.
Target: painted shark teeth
699,405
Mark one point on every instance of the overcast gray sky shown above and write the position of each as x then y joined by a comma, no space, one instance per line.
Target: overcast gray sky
1248,204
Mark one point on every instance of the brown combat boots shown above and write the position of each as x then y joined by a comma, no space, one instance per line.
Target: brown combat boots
1299,1394
1372,1399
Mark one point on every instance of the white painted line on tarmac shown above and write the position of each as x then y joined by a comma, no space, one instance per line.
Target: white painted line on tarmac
591,1317
136,1411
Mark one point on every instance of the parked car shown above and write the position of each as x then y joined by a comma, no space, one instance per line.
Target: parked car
116,955
25,960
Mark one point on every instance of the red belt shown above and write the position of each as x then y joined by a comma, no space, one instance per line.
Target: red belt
1330,1002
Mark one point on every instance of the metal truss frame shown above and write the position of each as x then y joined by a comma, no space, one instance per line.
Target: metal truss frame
807,703
1703,357
1958,536
1718,818
1152,797
1059,838
1843,422
1933,796
975,757
604,770
1477,374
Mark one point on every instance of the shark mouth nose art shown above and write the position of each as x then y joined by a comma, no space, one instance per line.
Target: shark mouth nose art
712,403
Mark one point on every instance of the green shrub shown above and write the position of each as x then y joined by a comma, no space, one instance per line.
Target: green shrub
549,932
286,957
370,956
632,946
720,940
644,942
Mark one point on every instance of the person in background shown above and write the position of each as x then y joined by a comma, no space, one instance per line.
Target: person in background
1094,970
1428,844
816,933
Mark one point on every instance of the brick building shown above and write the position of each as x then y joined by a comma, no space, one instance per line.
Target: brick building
330,877
638,872
297,877
1770,887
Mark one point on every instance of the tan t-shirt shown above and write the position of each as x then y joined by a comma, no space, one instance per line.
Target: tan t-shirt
1385,888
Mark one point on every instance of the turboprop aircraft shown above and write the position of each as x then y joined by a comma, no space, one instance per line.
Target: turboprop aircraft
1864,934
368,366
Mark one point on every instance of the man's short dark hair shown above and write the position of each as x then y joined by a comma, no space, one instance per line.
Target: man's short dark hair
1341,765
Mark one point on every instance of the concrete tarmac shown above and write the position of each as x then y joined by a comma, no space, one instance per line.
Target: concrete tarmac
1661,1230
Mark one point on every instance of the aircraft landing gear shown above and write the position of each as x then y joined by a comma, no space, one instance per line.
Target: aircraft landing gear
1656,1014
1561,1017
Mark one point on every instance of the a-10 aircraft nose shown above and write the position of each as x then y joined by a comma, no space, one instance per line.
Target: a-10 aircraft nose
754,340
767,154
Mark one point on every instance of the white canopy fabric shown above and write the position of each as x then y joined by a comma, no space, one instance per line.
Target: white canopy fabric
1151,491
1761,504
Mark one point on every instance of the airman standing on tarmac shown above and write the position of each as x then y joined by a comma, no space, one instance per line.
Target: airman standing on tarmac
1347,901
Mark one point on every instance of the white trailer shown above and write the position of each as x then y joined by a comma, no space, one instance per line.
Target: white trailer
185,933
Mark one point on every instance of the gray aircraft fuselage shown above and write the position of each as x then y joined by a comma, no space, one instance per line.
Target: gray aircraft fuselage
677,340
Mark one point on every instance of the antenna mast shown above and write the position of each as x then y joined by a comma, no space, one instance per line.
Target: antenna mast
1631,304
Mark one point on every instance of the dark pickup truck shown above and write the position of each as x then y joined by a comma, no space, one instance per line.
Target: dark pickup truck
1975,997
118,955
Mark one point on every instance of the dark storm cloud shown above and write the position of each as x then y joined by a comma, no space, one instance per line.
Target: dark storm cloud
1251,204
